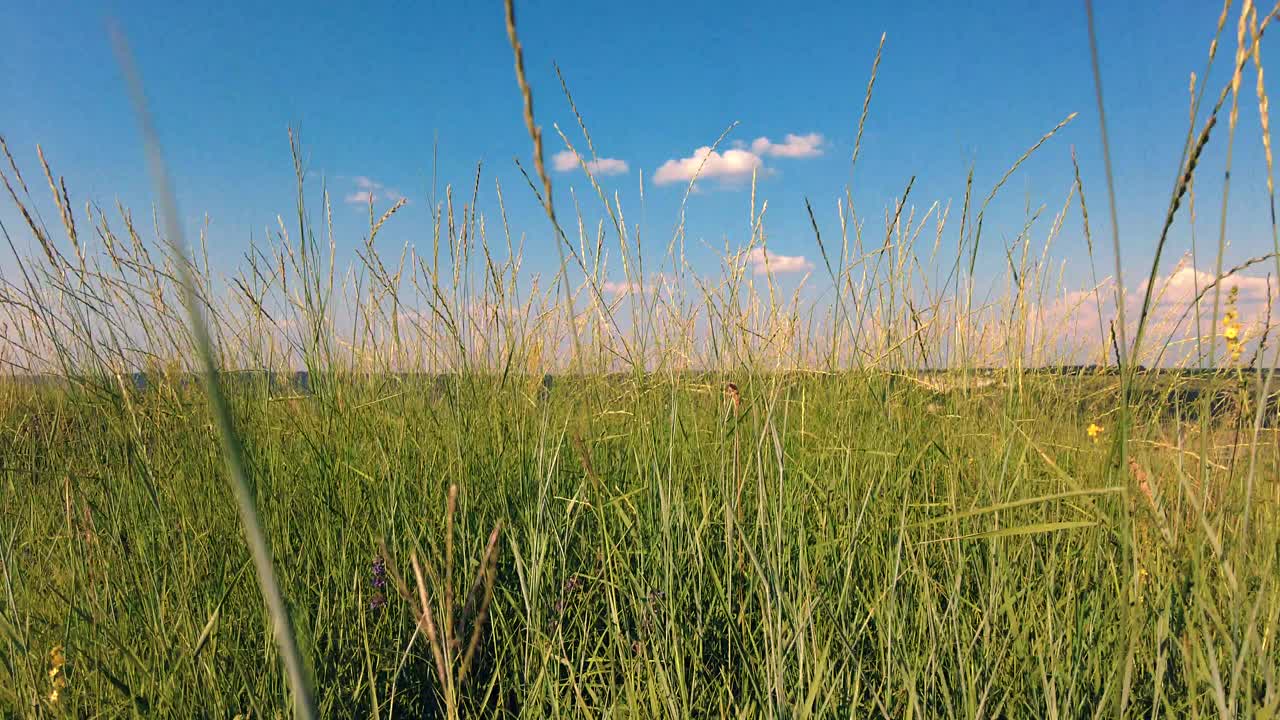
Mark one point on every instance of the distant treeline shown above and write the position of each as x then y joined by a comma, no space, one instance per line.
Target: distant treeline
301,379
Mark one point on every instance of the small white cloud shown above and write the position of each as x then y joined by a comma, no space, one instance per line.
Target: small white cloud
739,161
369,189
616,288
794,146
763,262
567,161
608,166
729,166
564,161
656,283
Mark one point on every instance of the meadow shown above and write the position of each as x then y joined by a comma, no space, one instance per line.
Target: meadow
428,485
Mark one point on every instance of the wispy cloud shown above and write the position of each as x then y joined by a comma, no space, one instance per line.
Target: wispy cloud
567,161
656,283
794,146
763,262
368,189
620,287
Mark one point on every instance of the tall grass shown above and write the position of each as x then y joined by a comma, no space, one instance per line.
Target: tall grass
633,488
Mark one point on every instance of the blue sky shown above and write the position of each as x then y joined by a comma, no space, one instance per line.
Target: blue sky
371,87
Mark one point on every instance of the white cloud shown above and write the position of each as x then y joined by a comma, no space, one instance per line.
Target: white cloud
608,166
739,162
763,262
567,161
794,146
369,189
618,288
728,166
1172,319
615,288
1182,285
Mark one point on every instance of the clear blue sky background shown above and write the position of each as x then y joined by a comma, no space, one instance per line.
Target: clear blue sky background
371,86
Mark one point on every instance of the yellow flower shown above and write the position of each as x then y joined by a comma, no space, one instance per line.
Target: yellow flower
1231,325
57,678
1094,430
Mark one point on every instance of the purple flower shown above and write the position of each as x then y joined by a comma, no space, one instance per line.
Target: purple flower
571,586
379,572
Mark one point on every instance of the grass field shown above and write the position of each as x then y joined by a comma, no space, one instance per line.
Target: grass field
694,497
830,544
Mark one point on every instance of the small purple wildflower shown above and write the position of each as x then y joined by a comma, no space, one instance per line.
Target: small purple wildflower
571,586
379,571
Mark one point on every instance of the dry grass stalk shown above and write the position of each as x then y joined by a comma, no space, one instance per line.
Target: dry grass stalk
443,624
